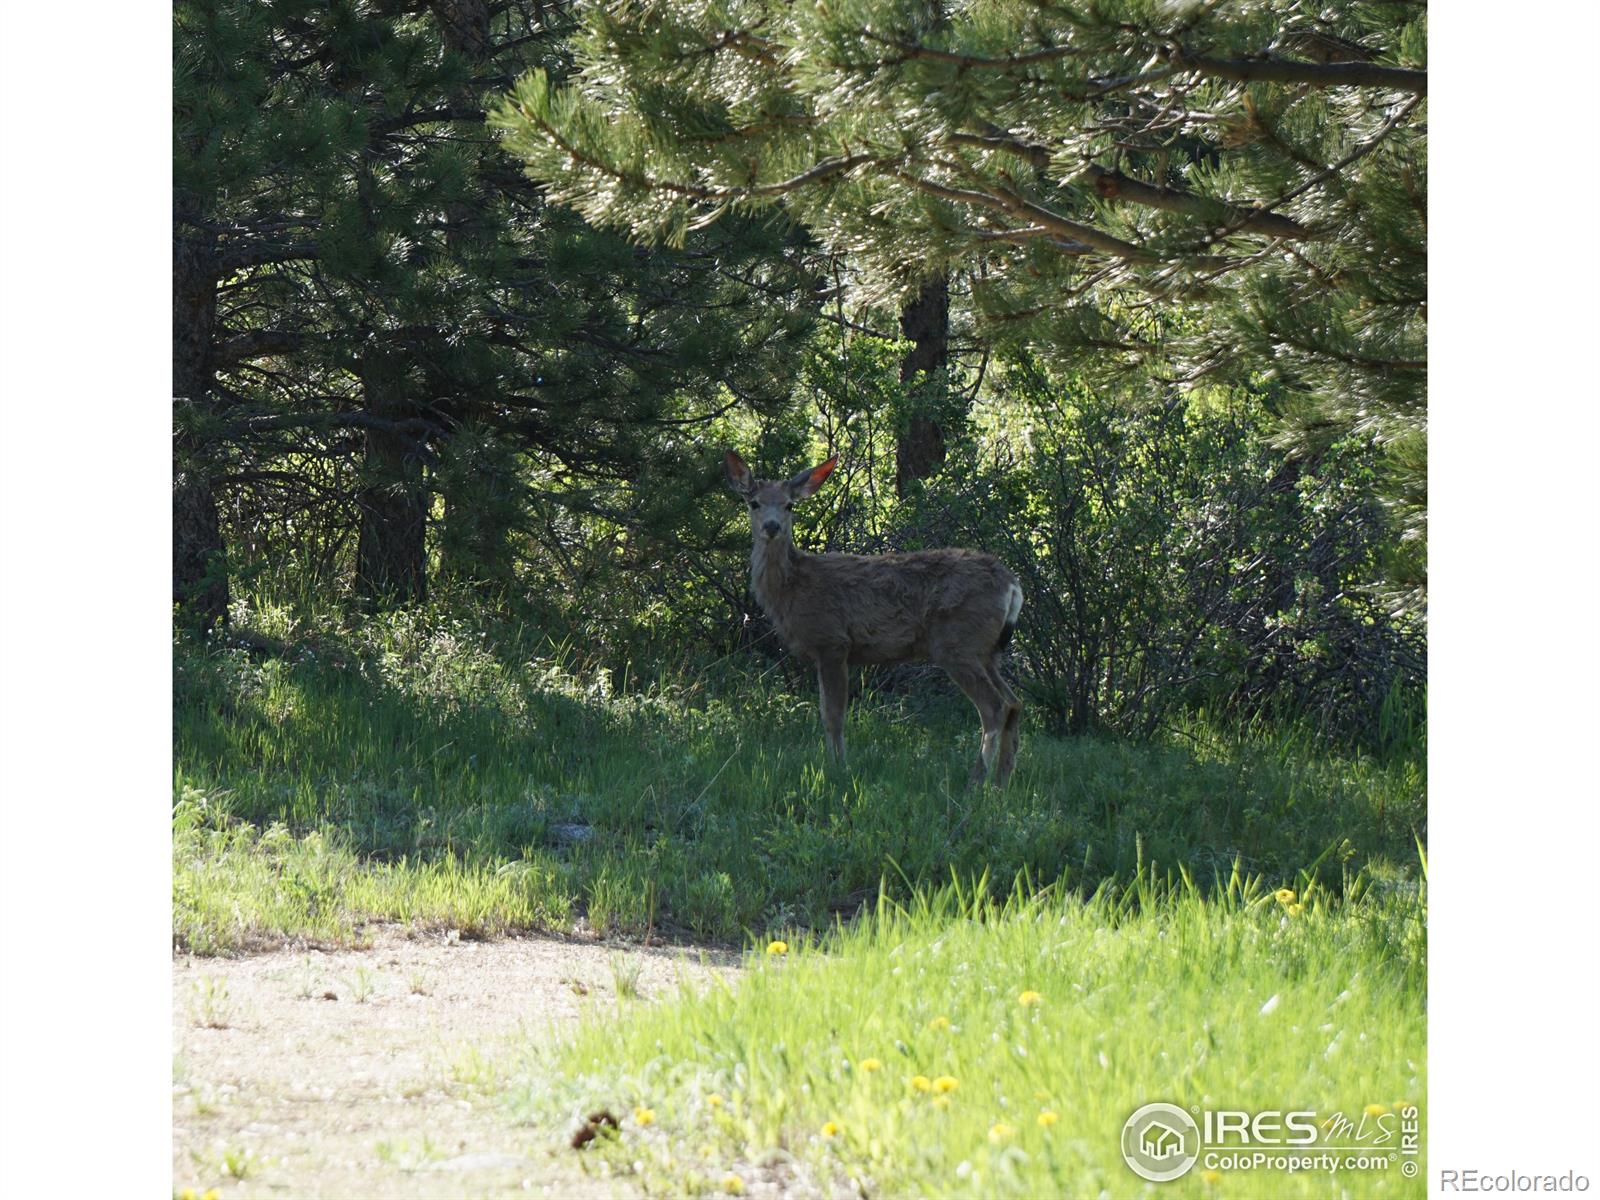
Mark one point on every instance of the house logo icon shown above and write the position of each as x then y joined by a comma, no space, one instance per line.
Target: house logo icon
1160,1142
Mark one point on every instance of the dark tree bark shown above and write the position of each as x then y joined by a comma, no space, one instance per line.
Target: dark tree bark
391,555
464,25
199,574
925,322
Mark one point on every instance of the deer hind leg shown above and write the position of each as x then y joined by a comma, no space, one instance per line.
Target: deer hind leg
833,679
1010,723
975,682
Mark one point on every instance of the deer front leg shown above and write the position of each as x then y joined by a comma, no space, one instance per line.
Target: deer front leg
834,683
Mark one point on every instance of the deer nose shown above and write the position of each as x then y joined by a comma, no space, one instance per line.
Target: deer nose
772,528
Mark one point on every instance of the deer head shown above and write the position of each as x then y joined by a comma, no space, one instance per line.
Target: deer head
772,503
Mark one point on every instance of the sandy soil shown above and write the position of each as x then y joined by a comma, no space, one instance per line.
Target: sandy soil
387,1089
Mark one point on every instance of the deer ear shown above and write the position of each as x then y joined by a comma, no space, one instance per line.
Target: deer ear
739,477
807,482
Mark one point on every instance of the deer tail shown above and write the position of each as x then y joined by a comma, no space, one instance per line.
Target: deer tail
1013,607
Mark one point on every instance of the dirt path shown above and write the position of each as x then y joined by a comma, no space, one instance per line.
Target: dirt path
386,1090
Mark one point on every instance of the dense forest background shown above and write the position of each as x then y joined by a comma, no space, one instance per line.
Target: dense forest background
469,298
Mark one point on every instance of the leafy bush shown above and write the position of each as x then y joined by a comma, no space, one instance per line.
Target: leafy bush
1173,559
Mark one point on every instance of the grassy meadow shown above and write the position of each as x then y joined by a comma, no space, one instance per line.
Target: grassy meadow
975,989
437,774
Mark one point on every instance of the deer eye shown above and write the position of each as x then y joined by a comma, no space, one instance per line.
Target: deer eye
789,507
755,504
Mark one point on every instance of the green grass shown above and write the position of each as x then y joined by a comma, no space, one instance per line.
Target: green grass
239,887
1147,993
429,771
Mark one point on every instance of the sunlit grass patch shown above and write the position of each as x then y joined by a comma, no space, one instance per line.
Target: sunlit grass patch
236,886
1153,993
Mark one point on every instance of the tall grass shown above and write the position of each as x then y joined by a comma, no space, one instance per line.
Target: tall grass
958,1047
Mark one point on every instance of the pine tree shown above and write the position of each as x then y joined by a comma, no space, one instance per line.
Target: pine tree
374,310
1166,196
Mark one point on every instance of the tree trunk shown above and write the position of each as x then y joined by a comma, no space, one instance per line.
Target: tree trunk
199,573
925,322
391,555
464,26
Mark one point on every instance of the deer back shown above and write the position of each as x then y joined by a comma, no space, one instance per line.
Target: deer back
940,606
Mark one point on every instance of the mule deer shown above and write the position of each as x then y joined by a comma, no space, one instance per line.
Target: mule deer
953,608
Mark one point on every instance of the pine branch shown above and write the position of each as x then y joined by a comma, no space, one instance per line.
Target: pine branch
908,51
1318,75
236,258
258,343
821,170
269,423
1113,185
1008,202
429,116
1032,152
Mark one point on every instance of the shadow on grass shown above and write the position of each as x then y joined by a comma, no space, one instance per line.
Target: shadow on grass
434,778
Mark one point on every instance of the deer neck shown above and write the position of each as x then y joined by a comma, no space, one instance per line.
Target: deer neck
772,570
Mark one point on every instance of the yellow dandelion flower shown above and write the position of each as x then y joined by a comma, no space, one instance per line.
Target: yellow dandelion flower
1048,1118
714,1100
940,1102
644,1115
921,1083
1211,1175
1029,998
1402,1105
1284,896
946,1083
831,1129
732,1184
1295,909
939,1023
188,1194
211,1194
777,947
871,1064
1001,1132
1375,1110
